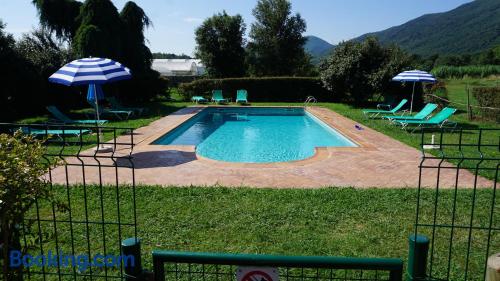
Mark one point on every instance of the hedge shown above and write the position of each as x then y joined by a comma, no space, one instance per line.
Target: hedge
262,89
488,97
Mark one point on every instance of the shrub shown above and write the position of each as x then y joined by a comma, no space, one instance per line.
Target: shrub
436,93
358,70
480,71
21,184
263,89
488,97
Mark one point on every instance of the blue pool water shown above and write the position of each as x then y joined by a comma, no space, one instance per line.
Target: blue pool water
254,135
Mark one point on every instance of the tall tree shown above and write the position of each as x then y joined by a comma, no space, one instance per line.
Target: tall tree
135,54
100,30
220,45
277,45
356,71
59,16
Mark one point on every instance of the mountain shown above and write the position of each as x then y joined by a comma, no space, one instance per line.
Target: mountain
469,28
317,48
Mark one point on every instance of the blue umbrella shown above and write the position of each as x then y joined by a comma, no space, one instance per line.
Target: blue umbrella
414,76
95,90
92,72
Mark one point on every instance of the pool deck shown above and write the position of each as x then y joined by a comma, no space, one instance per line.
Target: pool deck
378,161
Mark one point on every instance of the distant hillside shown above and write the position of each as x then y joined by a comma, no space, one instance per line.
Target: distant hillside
470,28
317,48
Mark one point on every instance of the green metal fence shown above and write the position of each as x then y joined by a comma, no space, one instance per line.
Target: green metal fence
457,228
82,175
209,266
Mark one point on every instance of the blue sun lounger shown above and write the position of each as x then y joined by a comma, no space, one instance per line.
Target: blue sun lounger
198,99
36,132
421,115
217,96
373,113
66,120
439,120
241,96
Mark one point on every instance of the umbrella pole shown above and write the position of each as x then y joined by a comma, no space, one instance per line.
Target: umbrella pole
100,146
96,105
412,93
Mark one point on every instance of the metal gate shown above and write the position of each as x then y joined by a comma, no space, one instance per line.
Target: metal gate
460,223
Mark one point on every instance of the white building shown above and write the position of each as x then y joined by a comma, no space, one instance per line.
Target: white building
178,67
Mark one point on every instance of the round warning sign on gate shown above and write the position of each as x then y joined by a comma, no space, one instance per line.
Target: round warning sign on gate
257,274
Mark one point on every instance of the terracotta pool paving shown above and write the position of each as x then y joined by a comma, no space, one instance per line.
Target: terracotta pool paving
378,161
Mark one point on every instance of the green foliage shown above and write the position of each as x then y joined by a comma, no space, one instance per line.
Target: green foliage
88,42
437,93
19,79
356,71
99,33
269,89
43,51
136,55
276,47
220,45
170,56
488,57
480,71
21,184
145,83
45,56
491,56
488,97
469,28
59,16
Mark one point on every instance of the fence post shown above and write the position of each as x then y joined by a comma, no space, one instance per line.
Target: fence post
417,257
132,247
469,109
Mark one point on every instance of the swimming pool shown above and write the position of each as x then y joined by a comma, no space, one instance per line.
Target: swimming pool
255,135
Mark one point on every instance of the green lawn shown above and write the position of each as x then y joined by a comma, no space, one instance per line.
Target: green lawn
327,221
457,89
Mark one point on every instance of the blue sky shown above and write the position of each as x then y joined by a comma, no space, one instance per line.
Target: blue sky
175,20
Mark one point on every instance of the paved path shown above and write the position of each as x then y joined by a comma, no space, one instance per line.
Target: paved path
379,161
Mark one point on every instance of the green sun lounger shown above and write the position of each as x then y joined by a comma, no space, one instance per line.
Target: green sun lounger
421,115
198,99
116,105
119,114
55,132
241,96
373,113
437,121
217,96
65,119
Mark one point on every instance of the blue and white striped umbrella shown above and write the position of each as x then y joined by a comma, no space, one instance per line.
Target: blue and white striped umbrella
414,76
90,71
